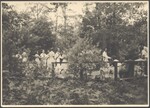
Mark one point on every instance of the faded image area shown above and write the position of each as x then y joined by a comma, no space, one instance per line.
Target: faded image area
75,53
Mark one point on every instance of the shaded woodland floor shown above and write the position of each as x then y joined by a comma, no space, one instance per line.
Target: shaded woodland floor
71,91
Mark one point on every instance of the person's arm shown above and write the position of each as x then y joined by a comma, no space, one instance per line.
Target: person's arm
109,57
41,55
56,56
47,56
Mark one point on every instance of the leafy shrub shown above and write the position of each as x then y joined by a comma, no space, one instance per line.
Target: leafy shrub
81,57
23,86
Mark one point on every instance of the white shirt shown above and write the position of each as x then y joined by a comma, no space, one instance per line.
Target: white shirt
24,57
43,55
37,56
51,54
24,54
37,59
105,56
50,57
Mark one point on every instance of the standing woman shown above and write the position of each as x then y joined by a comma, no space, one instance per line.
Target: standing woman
43,57
50,59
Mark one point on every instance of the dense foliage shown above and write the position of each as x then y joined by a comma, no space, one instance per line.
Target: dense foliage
107,28
74,92
20,33
119,27
84,58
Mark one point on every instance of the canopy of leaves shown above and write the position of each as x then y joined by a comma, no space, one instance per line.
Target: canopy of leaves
20,32
106,27
119,27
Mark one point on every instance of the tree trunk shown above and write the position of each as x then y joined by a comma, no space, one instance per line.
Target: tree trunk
98,17
65,17
56,19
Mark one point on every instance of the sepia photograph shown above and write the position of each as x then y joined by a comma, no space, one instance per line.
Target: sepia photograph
74,53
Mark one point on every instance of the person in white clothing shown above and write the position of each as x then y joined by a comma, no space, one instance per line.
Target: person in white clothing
24,57
105,56
58,69
144,52
18,56
43,57
37,59
107,64
50,59
57,54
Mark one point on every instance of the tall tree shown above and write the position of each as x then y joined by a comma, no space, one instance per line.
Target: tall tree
11,25
111,22
36,10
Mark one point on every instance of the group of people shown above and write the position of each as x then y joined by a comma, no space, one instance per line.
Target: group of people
22,57
46,60
43,59
143,54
